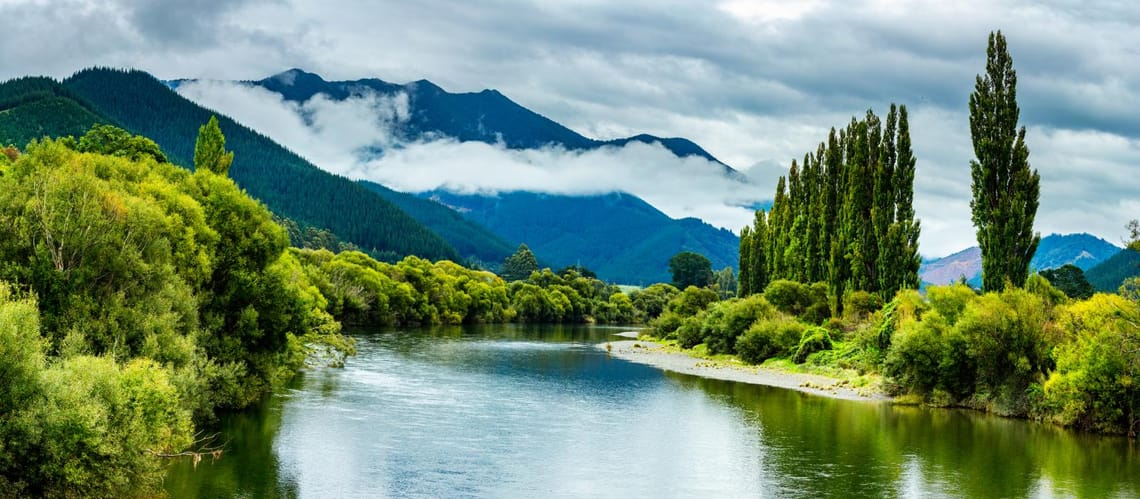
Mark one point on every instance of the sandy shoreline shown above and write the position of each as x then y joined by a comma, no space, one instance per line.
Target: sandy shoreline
653,354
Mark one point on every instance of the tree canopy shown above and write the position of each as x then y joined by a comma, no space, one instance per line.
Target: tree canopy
690,269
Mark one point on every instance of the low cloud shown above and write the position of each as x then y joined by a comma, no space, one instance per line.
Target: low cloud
343,137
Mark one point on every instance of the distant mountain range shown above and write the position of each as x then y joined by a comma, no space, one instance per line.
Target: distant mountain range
1108,275
1055,250
486,116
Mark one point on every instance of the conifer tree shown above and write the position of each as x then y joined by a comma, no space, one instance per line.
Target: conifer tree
744,263
210,149
758,265
1005,189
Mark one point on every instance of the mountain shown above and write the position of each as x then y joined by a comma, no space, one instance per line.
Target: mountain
1110,274
1055,250
487,116
618,236
286,183
469,238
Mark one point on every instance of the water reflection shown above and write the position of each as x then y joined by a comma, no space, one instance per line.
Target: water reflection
538,411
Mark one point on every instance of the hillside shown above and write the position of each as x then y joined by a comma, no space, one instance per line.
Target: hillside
1055,250
486,116
1111,273
619,236
468,237
286,183
35,107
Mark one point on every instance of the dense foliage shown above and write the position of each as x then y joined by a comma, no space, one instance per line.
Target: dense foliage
1005,188
845,218
519,265
1069,279
143,297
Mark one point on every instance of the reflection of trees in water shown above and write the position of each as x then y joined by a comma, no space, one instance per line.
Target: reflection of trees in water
825,447
250,465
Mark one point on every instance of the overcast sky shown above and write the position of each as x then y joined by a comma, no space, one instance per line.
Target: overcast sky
756,83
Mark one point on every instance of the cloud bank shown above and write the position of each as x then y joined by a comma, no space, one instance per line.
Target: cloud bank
343,136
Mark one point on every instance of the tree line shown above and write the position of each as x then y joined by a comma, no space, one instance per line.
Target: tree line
843,216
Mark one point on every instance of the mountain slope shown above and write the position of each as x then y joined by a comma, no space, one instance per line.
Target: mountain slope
619,236
487,116
467,236
1110,274
1055,250
35,107
286,183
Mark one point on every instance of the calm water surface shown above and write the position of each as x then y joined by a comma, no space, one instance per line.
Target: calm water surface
515,411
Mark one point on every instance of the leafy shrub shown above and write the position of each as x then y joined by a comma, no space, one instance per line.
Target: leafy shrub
813,340
692,300
769,338
949,301
789,297
665,326
860,304
689,333
1005,337
727,320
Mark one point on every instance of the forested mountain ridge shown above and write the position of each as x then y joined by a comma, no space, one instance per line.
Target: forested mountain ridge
619,236
34,107
471,239
289,185
486,116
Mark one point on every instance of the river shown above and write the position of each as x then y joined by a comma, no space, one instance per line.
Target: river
526,411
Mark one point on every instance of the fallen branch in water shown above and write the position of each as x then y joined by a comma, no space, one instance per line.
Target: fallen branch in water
202,446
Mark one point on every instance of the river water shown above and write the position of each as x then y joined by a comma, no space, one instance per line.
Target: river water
517,411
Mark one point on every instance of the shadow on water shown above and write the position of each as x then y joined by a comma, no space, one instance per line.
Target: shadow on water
248,468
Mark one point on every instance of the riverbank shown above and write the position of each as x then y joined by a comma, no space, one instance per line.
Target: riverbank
657,355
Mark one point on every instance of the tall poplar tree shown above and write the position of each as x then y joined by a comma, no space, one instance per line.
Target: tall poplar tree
1005,189
744,287
758,280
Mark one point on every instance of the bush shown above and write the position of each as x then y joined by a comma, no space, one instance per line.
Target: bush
692,301
769,338
859,304
689,333
813,340
727,320
1005,337
949,301
665,326
789,297
1094,386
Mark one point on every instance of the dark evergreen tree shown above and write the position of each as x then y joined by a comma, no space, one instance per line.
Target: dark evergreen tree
690,269
904,233
1071,280
520,265
1005,189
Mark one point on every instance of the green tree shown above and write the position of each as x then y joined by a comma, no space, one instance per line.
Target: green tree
519,266
1005,189
726,283
114,141
210,149
690,269
744,263
1070,279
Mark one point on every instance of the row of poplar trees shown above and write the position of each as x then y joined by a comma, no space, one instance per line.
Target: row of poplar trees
844,216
